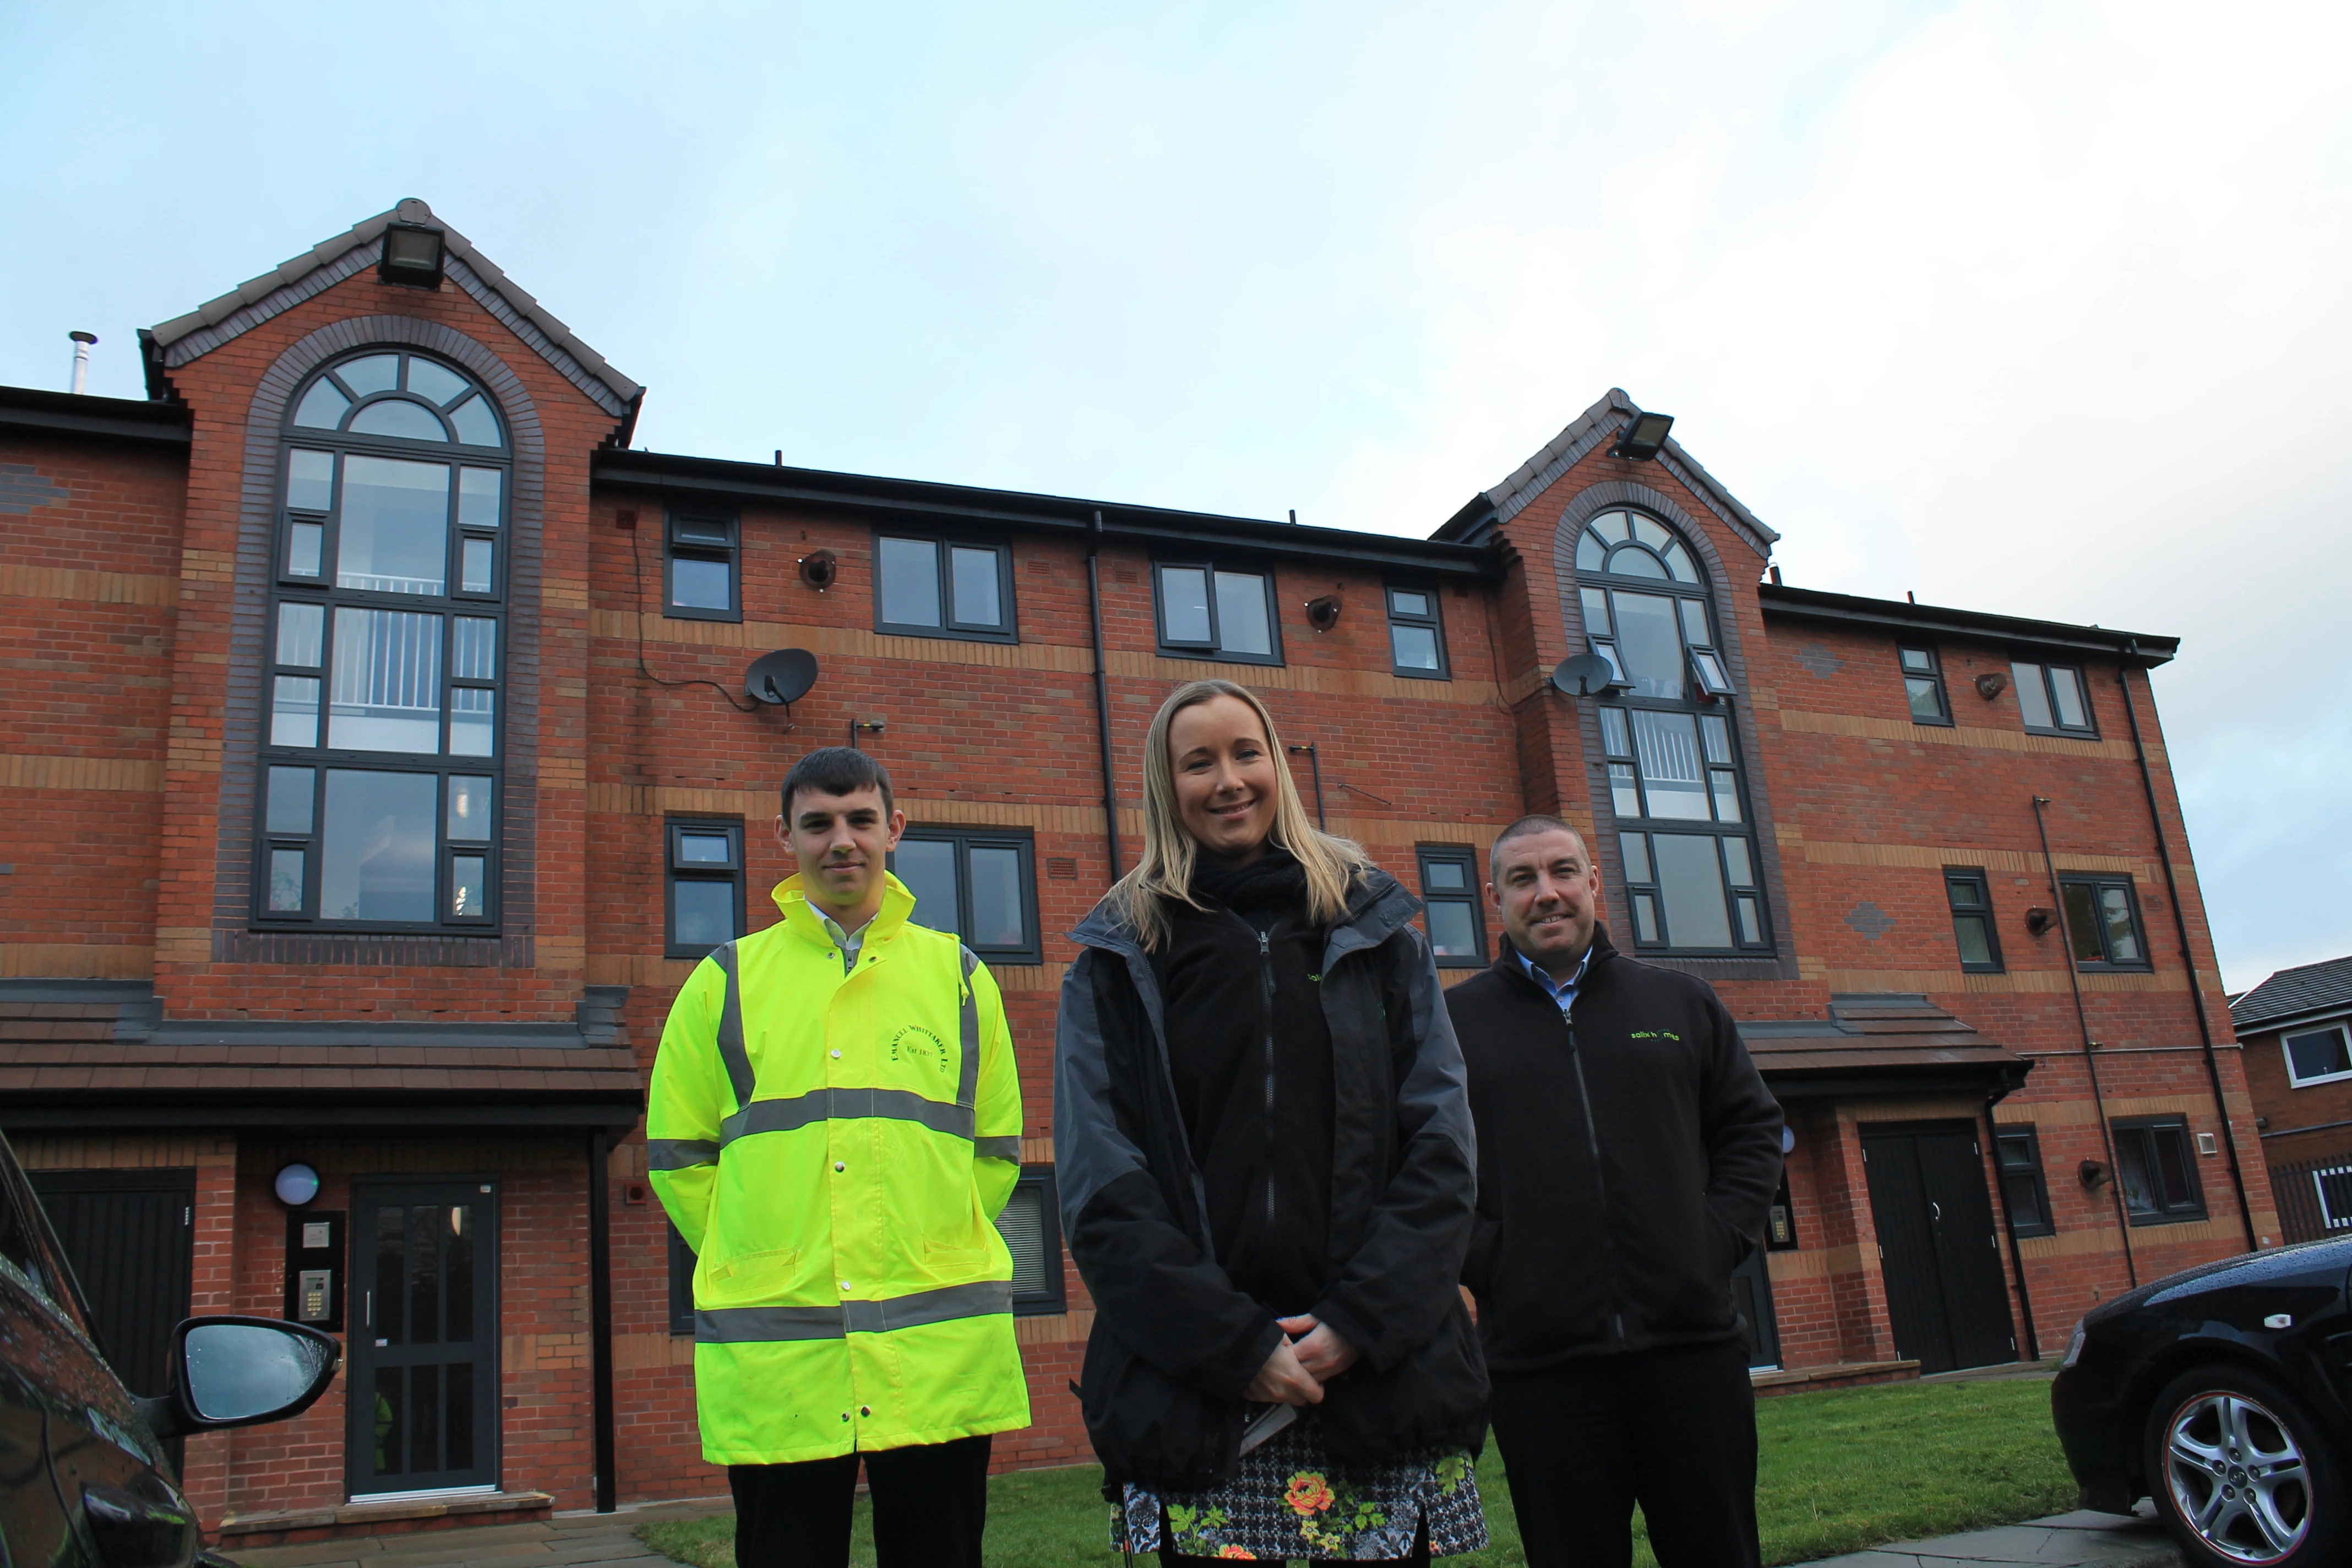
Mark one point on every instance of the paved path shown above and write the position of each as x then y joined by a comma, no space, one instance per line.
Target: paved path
2080,1540
592,1540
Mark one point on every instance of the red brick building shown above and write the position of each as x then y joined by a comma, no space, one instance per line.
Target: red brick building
383,761
2296,1027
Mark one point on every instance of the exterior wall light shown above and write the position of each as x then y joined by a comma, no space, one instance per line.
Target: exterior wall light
1644,437
411,256
1323,614
296,1185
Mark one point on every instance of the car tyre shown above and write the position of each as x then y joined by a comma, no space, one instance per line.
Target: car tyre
2242,1475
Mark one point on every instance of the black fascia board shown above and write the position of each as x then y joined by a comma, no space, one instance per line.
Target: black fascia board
389,1112
1814,605
925,503
1838,1082
29,408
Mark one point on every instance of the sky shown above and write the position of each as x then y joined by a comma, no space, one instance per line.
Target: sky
2036,308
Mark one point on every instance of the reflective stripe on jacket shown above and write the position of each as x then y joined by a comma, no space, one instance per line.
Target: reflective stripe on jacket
836,1149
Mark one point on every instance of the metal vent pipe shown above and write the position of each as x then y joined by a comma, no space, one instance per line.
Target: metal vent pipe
81,342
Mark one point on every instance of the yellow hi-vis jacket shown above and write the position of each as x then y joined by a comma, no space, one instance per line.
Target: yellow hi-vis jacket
836,1149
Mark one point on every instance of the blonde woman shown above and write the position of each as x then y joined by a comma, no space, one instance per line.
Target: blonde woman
1266,1169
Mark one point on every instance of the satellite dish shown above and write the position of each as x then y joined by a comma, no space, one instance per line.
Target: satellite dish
784,676
1586,675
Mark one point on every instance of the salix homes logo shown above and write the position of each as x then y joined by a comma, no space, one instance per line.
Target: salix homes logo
915,1044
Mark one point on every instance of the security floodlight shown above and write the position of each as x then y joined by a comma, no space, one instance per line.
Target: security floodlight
1644,437
412,255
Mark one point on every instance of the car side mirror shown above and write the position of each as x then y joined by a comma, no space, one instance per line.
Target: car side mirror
241,1372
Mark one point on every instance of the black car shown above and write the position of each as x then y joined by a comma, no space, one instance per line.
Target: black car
84,1478
2224,1393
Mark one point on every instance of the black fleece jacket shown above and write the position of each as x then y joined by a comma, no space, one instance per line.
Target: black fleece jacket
1627,1154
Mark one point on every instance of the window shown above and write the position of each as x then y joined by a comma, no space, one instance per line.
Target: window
1031,1225
2156,1172
705,905
2017,1153
699,580
1449,890
2317,1056
2052,698
978,884
681,1281
2103,921
1972,926
1416,635
1208,611
1922,686
379,795
933,587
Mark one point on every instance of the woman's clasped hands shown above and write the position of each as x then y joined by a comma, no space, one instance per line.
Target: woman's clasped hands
1311,1354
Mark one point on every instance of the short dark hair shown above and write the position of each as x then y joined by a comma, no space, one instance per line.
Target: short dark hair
1527,828
838,770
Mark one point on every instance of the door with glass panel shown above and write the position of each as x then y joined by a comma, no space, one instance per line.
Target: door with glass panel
423,1389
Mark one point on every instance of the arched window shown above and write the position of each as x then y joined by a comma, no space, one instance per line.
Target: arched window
1692,882
381,762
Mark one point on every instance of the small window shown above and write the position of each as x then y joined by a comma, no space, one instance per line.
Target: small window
2317,1056
1972,925
1416,635
2018,1153
1208,611
978,884
1031,1225
2053,698
2156,1170
942,587
1449,890
1923,686
681,1282
701,581
706,885
2103,923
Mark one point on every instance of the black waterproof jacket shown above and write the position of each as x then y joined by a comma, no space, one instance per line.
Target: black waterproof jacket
1627,1155
1175,1341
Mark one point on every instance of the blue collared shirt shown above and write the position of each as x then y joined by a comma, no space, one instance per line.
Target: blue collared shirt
1562,991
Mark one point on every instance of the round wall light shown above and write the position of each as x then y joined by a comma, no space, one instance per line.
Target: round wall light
297,1186
1788,1140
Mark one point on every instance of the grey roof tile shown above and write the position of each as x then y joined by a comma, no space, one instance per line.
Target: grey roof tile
2311,988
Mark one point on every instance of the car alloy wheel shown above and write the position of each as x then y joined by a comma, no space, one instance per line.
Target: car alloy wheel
2238,1478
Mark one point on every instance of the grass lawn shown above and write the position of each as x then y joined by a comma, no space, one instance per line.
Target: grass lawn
1841,1471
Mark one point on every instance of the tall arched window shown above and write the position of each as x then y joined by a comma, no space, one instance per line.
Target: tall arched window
380,770
1691,874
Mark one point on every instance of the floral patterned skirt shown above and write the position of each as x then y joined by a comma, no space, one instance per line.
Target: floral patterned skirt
1290,1501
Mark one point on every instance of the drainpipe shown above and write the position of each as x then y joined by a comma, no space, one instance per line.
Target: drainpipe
2180,924
1315,764
81,342
1102,695
600,1318
2009,1224
2098,1101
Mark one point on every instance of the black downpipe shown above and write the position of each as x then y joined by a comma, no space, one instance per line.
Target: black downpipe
600,1315
2009,1224
2091,1061
1102,695
1315,766
2180,924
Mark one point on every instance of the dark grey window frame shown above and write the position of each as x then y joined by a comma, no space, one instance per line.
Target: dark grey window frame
1981,909
941,566
2087,729
2027,1175
2099,883
966,838
681,1278
679,520
1212,651
324,591
1466,856
1933,675
2147,1130
2334,1027
1434,621
676,870
1054,1297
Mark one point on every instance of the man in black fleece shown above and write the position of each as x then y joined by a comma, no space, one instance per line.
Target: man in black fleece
1627,1152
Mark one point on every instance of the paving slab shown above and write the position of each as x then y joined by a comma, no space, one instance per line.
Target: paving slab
566,1541
2078,1540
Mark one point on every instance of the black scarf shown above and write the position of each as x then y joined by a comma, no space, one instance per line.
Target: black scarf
1273,881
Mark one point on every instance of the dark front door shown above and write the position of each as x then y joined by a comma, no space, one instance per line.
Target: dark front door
423,1379
1938,1244
1751,1293
131,1238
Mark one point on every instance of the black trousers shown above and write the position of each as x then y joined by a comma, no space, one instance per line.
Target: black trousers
930,1506
1673,1430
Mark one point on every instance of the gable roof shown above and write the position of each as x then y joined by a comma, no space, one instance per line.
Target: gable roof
186,338
2322,988
1604,421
